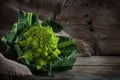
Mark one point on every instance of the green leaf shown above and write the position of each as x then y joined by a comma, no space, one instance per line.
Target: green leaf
67,48
26,20
11,36
21,15
17,48
68,54
27,56
35,19
66,63
55,26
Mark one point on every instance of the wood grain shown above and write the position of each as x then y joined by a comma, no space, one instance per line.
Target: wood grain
98,61
91,68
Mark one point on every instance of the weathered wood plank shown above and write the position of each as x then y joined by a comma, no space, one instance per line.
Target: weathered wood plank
92,68
98,60
99,70
88,77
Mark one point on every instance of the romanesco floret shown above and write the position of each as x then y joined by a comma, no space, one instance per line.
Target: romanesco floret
41,43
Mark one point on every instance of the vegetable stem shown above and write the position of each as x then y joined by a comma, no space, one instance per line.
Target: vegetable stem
66,43
29,18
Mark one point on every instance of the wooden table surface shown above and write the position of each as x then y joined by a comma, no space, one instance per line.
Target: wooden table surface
91,68
85,68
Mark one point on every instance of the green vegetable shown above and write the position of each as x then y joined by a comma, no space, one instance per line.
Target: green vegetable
37,45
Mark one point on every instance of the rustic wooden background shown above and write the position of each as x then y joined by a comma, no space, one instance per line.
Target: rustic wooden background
95,24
